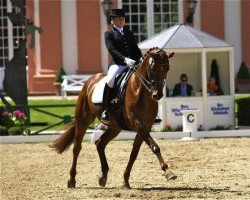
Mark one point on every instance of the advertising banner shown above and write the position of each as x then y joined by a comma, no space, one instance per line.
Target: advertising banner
174,112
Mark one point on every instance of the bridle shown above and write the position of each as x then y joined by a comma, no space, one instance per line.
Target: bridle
148,84
151,82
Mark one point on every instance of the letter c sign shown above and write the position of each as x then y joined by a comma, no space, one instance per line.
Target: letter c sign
190,118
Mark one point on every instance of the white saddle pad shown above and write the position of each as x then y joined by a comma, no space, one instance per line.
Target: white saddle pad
98,91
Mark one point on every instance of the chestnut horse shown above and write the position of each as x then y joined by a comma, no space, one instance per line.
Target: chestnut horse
140,107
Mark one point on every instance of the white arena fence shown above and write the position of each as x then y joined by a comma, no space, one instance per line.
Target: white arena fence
92,135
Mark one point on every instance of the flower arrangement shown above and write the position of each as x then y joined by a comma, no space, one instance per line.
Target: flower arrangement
167,127
15,122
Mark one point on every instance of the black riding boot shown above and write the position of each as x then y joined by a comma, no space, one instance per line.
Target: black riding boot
105,118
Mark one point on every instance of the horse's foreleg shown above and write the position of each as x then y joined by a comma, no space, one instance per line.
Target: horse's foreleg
76,150
101,143
157,151
134,153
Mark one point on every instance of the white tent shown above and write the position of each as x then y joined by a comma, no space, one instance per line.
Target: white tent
194,52
182,36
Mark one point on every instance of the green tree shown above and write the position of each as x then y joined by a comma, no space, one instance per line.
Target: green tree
243,72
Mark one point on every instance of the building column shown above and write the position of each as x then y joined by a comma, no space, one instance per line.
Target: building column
181,11
245,17
197,15
104,51
10,32
69,36
37,38
232,20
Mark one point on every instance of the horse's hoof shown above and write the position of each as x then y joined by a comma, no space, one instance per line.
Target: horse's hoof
170,176
71,184
102,181
126,186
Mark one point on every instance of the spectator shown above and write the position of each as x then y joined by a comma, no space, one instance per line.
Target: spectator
183,88
212,87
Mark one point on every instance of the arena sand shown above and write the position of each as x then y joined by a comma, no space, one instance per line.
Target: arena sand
206,169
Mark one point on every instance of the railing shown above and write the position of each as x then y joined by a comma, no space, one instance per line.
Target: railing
73,83
63,119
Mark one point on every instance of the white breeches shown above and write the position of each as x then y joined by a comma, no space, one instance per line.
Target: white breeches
112,72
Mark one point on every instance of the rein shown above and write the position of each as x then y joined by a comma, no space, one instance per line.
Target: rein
149,84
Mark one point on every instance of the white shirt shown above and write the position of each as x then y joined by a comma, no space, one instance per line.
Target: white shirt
119,29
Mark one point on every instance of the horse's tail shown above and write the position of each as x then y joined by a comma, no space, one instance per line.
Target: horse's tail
64,142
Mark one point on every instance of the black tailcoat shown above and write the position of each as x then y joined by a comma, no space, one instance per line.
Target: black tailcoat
121,46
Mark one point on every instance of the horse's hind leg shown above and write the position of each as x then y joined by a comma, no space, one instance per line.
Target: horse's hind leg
79,134
134,153
82,122
101,143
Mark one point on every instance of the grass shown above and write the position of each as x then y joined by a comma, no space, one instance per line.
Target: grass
51,112
239,96
54,114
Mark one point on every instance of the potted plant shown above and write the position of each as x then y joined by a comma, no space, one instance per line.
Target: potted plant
59,80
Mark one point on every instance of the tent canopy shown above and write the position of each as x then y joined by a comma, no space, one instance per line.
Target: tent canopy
182,36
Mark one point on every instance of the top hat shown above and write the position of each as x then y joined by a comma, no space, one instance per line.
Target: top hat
117,13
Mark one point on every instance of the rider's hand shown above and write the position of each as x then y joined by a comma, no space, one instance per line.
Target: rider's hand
129,62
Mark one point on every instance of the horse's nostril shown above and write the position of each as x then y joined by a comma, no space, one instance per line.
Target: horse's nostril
157,96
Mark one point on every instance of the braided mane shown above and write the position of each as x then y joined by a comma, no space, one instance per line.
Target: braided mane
146,54
151,49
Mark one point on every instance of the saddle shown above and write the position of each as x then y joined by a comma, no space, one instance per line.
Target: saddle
117,96
121,81
118,91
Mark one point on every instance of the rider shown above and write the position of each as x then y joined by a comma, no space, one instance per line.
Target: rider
122,46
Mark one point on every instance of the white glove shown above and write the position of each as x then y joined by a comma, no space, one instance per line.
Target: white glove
129,62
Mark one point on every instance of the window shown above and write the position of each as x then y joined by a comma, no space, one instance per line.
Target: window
165,14
4,54
136,17
147,17
9,33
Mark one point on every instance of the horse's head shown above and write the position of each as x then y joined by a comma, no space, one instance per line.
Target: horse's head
157,69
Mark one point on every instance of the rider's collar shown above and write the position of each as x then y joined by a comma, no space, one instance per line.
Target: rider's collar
119,29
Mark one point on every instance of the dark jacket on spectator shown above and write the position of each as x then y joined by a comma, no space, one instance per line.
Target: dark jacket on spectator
177,89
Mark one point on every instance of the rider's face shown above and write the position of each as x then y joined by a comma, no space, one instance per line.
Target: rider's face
119,21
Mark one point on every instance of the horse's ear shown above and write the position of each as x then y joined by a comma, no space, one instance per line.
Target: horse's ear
170,54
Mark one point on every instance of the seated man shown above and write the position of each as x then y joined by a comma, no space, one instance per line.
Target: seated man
183,88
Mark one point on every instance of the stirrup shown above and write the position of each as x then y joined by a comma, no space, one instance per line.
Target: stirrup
157,121
105,118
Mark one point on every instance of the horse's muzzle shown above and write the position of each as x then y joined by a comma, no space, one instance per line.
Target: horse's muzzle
156,95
